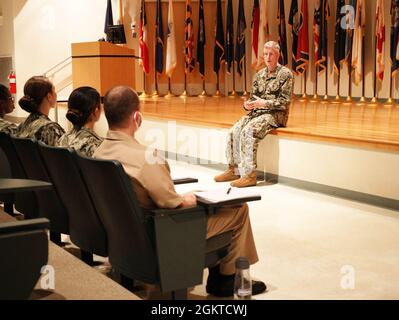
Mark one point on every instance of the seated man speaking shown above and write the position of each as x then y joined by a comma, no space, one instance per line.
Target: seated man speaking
153,185
268,108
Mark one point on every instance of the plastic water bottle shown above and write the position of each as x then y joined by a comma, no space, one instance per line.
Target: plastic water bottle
242,280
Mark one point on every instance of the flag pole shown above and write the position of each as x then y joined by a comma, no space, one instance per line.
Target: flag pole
390,100
315,92
233,93
217,93
363,99
326,70
374,99
184,94
245,93
349,97
337,97
144,94
155,94
304,96
203,94
169,94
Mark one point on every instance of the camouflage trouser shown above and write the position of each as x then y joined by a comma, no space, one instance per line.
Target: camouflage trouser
243,140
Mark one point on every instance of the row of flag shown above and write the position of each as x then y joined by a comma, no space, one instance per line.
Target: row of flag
348,41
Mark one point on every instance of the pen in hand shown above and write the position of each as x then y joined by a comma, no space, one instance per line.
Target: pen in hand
228,191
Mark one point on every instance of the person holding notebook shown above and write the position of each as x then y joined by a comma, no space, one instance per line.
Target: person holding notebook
151,181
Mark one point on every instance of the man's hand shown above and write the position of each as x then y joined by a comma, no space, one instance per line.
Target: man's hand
189,200
253,104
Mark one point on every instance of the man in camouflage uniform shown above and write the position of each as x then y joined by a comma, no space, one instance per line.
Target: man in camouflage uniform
84,141
268,108
40,127
6,106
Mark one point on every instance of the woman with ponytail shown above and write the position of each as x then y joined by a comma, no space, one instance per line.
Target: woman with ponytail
84,110
39,97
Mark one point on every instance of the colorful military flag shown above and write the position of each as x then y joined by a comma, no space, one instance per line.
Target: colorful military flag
255,33
143,39
201,40
358,36
282,33
171,60
240,38
350,25
321,15
340,36
394,37
159,38
300,38
189,39
397,49
218,53
229,36
293,21
380,39
109,18
264,33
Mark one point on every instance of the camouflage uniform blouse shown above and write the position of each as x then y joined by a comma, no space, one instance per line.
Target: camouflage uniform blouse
40,126
276,88
83,140
7,127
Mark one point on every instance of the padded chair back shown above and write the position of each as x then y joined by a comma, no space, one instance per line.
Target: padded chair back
23,252
50,205
5,172
130,248
17,170
85,228
26,202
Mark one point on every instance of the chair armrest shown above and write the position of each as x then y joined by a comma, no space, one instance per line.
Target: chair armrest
26,225
170,212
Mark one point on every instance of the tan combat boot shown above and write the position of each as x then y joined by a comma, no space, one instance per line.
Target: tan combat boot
248,180
228,175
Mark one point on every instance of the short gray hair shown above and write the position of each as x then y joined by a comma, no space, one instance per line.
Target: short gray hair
272,45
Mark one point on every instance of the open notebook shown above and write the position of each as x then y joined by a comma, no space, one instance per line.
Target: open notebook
221,195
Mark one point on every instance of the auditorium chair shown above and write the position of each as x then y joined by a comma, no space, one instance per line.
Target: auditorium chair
26,202
85,229
23,252
5,173
165,247
50,205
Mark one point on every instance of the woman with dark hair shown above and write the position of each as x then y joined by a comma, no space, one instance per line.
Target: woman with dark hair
39,97
84,110
6,106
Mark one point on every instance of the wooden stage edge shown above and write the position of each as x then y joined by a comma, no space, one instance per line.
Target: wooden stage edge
367,125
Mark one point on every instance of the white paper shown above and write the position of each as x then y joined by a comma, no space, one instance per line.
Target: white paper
220,195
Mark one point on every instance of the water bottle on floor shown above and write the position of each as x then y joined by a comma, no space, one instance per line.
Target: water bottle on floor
242,281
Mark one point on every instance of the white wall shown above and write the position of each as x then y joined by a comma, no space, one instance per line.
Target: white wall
6,28
45,29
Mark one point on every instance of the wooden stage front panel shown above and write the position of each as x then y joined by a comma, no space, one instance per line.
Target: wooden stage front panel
366,125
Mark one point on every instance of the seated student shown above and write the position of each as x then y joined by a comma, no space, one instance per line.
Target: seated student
153,185
84,110
6,106
39,97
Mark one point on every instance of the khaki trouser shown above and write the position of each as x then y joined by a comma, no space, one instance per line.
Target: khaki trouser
242,244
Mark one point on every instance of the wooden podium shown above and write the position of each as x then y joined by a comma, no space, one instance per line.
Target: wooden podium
102,65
